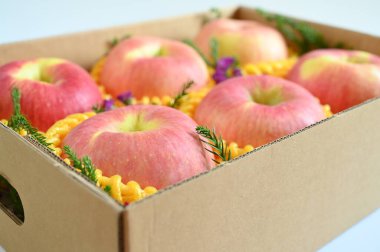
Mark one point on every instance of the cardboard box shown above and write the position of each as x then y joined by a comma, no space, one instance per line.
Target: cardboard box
295,194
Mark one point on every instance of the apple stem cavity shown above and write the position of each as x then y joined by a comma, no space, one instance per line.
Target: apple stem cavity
217,144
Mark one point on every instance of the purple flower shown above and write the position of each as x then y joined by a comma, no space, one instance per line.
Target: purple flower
108,104
125,97
225,68
236,72
225,63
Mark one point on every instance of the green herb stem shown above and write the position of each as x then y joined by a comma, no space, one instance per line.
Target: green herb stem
177,99
216,143
304,37
84,165
198,50
18,121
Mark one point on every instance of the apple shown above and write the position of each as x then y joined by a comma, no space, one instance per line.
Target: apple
247,41
257,109
153,145
152,66
51,89
340,78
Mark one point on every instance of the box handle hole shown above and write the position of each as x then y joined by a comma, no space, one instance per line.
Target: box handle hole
10,202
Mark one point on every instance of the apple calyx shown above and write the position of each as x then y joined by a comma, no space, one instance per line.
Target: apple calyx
269,97
39,70
147,51
137,123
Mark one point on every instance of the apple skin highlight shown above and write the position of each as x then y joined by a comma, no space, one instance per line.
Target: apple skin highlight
153,145
258,109
151,66
340,78
51,89
247,41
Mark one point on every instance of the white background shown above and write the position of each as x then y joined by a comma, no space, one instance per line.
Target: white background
20,20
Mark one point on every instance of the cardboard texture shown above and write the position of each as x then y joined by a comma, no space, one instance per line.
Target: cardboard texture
62,211
293,195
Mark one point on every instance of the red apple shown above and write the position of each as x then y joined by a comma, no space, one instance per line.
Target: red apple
51,89
340,78
152,66
258,109
153,145
247,41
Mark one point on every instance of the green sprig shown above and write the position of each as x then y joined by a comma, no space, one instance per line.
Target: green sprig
18,121
198,50
304,37
216,143
98,109
214,48
214,13
107,189
177,99
115,41
84,165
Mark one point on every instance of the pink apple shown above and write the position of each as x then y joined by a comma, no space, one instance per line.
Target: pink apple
152,66
248,41
340,78
153,145
258,109
50,89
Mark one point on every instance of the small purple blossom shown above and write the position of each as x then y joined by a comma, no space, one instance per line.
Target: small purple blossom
125,97
108,104
226,68
237,72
